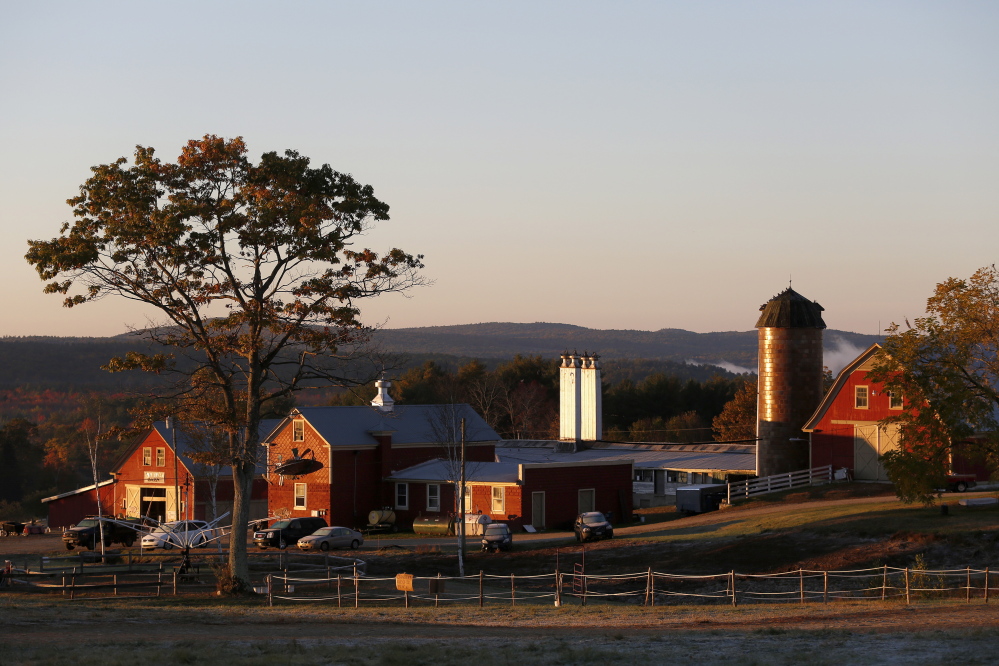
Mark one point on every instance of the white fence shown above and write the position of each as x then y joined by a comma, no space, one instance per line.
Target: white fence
778,482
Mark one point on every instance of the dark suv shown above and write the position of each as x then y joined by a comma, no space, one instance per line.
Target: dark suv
592,525
287,532
87,534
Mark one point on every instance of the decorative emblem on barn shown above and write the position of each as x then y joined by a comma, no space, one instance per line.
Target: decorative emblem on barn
299,465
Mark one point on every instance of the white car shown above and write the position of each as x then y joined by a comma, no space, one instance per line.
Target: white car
180,534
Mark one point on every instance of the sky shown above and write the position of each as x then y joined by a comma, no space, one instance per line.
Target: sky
640,165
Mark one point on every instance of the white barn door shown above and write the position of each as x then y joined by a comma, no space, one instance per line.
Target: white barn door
869,442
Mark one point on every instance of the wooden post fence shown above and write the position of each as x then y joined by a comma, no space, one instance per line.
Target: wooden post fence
825,587
884,583
986,585
357,589
513,591
801,585
735,601
907,586
968,595
339,599
480,588
270,589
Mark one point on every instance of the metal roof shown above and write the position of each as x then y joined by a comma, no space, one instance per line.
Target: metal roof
789,309
408,424
475,472
742,460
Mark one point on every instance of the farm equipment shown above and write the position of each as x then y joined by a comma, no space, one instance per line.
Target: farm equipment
958,483
381,521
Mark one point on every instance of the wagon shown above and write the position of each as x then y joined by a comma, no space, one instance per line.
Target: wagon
11,528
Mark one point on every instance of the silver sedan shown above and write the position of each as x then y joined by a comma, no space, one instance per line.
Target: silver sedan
331,537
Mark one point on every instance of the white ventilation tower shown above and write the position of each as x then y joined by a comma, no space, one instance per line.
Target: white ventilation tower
383,400
580,401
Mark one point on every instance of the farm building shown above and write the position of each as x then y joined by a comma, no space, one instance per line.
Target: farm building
541,494
360,448
845,432
144,483
658,469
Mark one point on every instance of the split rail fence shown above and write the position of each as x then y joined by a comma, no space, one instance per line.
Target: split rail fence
648,588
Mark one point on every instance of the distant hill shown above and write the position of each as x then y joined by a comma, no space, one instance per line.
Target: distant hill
73,364
503,340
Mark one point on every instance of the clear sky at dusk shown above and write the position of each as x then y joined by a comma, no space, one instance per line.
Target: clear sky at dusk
612,165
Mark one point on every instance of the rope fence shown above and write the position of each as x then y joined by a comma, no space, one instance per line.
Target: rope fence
648,588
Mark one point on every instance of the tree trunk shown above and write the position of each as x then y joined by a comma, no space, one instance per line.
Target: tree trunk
242,478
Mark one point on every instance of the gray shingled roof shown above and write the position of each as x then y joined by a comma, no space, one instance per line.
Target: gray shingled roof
185,446
408,424
476,472
789,309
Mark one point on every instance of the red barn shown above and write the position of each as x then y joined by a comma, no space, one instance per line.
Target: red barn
144,484
360,448
844,431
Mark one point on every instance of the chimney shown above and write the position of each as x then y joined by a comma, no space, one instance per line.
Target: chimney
580,403
383,401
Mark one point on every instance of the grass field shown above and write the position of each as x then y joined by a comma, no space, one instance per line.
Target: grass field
832,528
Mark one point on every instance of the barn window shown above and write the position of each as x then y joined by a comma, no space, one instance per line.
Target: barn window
147,456
860,397
402,495
300,495
681,477
160,456
433,497
643,475
894,400
499,499
298,431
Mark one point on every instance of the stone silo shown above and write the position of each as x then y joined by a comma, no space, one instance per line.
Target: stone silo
790,372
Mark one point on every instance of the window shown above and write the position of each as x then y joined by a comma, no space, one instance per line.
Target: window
433,497
860,397
147,456
894,401
298,431
643,475
681,477
160,456
499,499
300,495
402,495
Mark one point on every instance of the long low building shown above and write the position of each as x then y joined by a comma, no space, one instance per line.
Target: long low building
658,469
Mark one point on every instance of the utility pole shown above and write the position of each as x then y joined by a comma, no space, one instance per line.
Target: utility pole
461,506
172,424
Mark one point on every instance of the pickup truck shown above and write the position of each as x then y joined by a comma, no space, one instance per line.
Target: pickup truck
86,534
958,483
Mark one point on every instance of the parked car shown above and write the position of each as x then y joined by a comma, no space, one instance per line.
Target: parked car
591,526
287,531
86,534
331,537
496,536
180,534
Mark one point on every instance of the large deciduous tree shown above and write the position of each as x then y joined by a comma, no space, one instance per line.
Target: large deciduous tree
252,267
946,367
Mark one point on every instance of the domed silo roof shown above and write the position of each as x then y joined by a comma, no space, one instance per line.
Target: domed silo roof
789,309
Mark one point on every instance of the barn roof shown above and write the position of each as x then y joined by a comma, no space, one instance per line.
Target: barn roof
475,472
834,390
408,424
740,459
77,491
789,309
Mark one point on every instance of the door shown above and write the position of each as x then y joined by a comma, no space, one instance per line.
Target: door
538,510
659,482
870,442
586,500
132,494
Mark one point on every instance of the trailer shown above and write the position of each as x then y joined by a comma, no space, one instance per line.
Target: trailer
700,498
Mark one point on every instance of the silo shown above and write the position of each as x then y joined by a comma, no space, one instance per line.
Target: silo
790,373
